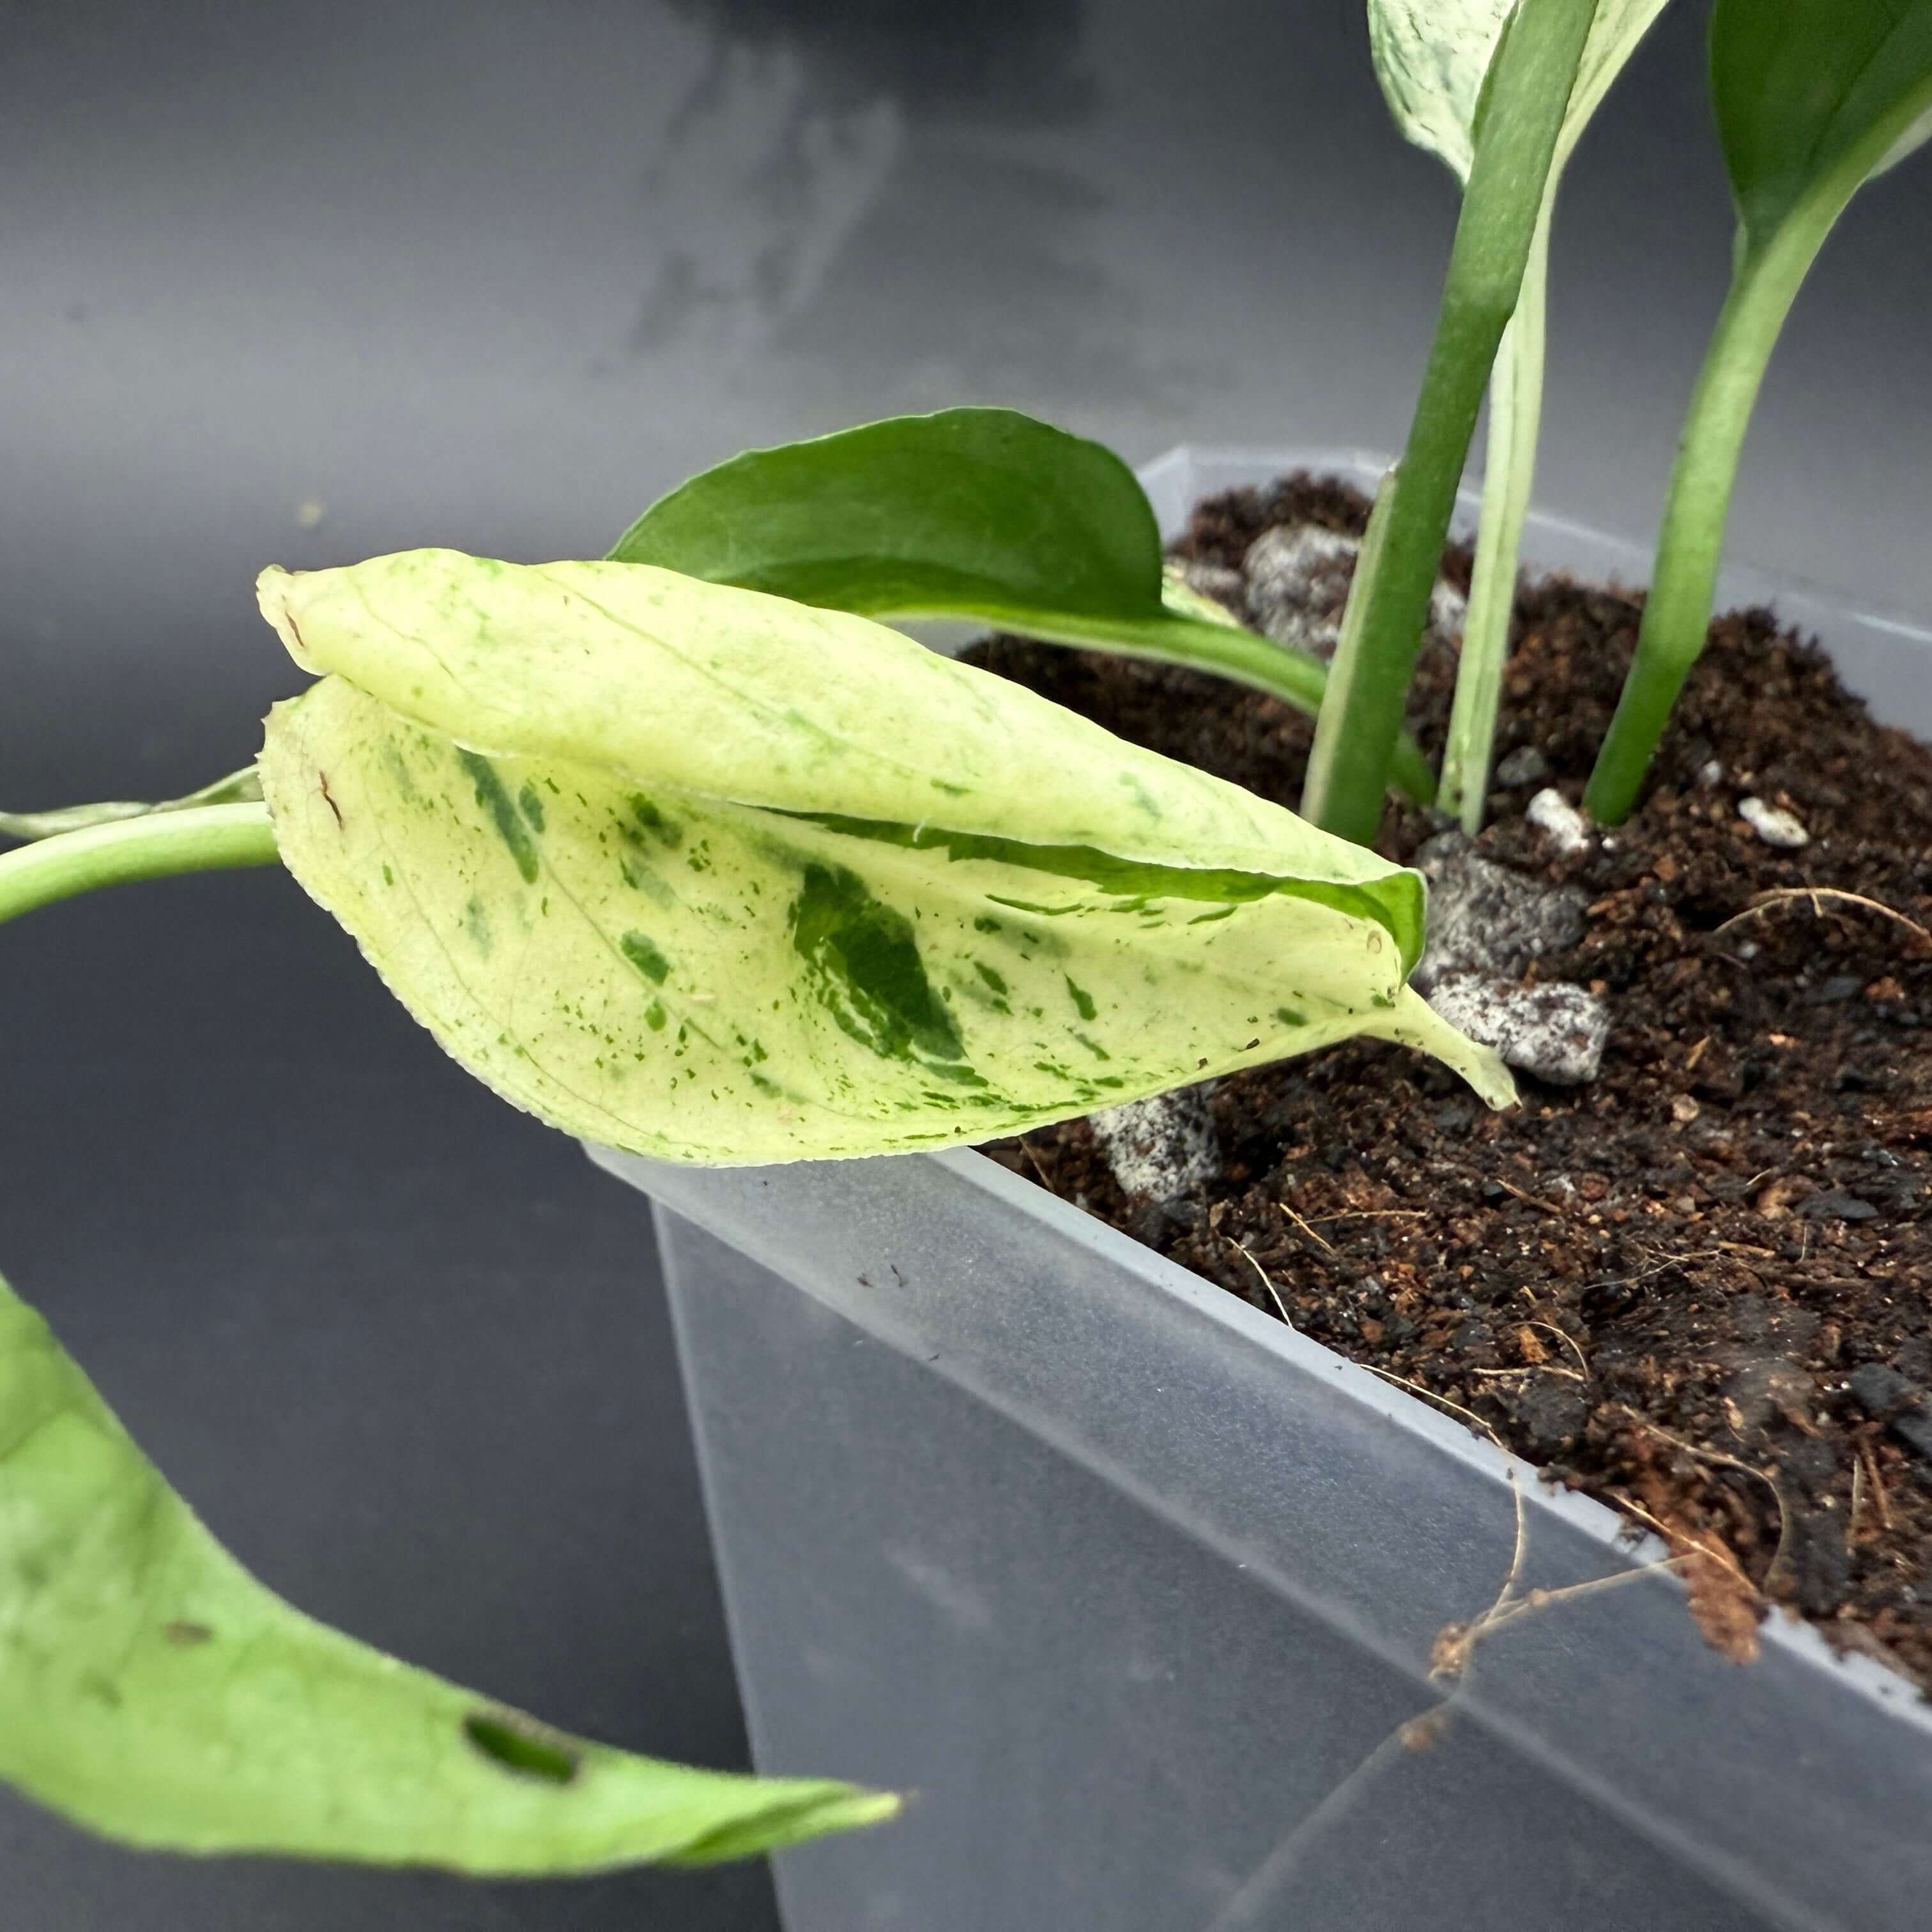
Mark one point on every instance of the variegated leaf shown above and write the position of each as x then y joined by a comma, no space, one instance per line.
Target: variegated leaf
154,1690
719,877
1431,57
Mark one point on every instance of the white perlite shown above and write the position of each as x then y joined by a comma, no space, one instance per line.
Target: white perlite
1447,608
1161,1147
1775,827
1567,828
1556,1031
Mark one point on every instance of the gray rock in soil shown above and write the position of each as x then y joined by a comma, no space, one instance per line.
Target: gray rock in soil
1524,765
1834,1203
1881,1392
1888,1397
1556,1031
1160,1148
1484,918
1551,1418
1775,826
1297,578
1447,610
1914,1359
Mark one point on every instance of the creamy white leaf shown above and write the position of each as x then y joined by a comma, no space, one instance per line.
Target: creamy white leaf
1431,55
716,877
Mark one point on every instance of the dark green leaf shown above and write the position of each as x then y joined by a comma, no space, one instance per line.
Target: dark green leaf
1812,97
978,511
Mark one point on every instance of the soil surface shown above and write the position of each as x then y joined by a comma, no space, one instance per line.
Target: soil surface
1700,1287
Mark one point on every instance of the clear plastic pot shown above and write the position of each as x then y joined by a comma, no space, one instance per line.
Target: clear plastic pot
1132,1585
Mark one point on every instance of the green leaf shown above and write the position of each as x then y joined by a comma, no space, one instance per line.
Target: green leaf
1813,97
980,514
152,1689
721,878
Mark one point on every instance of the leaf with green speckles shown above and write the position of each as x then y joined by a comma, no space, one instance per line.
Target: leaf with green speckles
153,1690
749,928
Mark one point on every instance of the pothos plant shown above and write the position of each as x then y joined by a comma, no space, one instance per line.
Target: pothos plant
708,873
684,851
1812,99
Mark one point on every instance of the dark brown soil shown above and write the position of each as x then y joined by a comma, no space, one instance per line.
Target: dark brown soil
1700,1287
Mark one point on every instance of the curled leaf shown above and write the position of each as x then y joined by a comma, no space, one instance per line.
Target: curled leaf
152,1689
721,878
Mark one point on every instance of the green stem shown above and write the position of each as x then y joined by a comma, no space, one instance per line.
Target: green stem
1677,614
1509,473
236,787
205,839
1518,124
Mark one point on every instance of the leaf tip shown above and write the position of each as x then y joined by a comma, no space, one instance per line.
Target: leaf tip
272,596
1412,1021
810,1811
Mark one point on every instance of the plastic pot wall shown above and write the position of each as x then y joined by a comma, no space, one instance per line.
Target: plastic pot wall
1131,1585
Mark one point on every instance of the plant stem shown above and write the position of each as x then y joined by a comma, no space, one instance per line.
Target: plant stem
207,838
1509,472
1521,117
1690,544
236,787
1677,615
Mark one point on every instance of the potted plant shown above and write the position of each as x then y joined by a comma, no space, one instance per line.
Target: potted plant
1157,1601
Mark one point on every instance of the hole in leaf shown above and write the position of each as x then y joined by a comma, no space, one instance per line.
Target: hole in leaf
521,1748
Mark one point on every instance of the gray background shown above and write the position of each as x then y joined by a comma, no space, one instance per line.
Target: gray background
301,285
